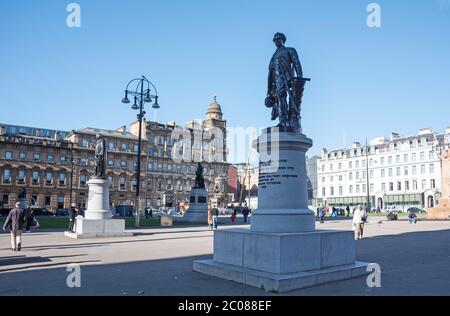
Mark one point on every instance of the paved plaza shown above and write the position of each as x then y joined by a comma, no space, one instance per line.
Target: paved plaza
158,261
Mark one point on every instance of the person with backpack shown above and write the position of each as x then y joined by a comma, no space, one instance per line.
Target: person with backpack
14,223
215,217
359,219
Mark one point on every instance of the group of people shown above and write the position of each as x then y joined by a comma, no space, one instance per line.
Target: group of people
213,215
18,218
335,212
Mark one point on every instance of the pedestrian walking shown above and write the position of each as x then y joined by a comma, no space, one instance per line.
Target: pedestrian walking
28,219
245,212
215,217
210,220
348,210
14,223
73,212
322,215
233,215
359,219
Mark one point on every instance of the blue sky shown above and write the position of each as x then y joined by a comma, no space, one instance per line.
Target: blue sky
366,81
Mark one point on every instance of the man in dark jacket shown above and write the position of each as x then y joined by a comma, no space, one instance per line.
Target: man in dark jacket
215,217
73,212
245,212
14,223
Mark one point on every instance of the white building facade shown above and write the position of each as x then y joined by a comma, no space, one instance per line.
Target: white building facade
400,172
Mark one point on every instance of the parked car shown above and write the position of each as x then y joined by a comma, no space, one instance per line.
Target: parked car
416,210
62,212
37,211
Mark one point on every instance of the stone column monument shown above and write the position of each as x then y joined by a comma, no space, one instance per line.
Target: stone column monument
97,221
282,250
198,202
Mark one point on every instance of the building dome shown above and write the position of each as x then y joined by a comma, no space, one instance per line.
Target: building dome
214,109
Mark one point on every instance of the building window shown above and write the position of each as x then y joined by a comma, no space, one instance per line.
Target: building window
383,173
371,162
391,186
364,175
110,181
169,168
323,191
7,175
350,189
160,152
350,176
134,184
414,157
422,155
37,157
398,172
62,178
357,175
350,164
415,185
84,161
48,201
397,159
150,152
357,188
399,186
178,168
372,187
5,199
371,174
111,146
364,188
363,163
340,166
406,170
151,139
63,160
357,163
35,177
414,170
431,168
122,183
340,178
160,167
431,155
383,187
331,167
390,160
123,147
21,176
23,156
123,164
60,201
8,155
424,184
331,179
390,172
82,180
407,185
149,166
50,159
332,191
49,178
84,143
382,161
422,169
136,148
110,163
433,184
161,140
341,191
405,158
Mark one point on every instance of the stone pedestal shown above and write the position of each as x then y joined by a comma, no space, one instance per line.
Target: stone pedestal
282,251
442,211
97,221
198,208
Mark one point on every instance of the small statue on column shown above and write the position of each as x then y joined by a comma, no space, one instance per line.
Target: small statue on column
100,158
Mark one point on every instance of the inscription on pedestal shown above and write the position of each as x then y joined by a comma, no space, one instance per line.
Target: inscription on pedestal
269,178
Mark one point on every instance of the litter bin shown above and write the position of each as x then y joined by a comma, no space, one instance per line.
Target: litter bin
166,220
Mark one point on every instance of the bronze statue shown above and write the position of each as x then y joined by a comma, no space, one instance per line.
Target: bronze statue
285,80
199,179
100,158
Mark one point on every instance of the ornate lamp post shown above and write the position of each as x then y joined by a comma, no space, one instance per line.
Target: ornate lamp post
141,90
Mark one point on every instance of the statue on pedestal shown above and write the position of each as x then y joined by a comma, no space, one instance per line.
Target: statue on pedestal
100,158
199,179
285,85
